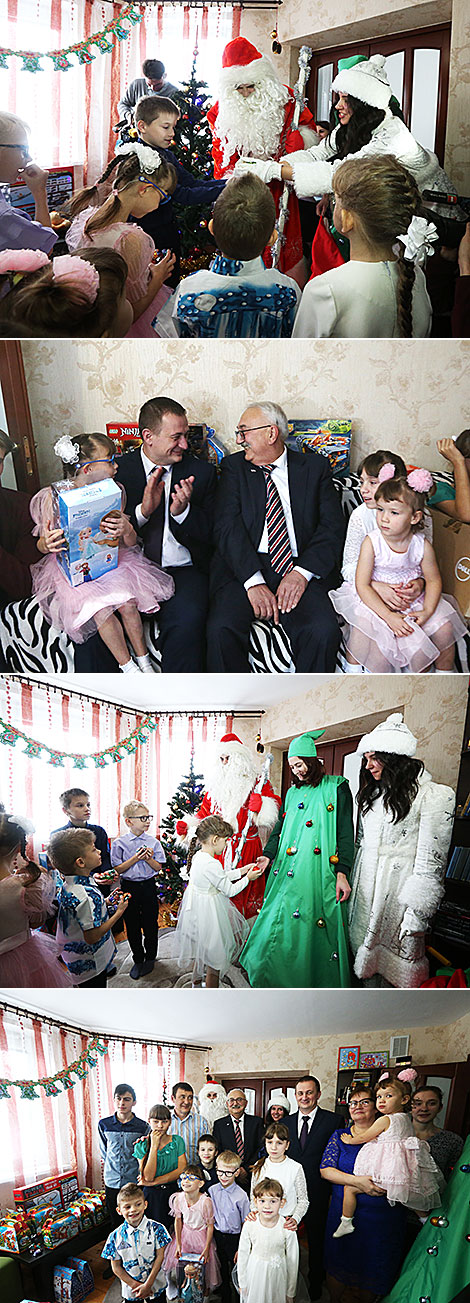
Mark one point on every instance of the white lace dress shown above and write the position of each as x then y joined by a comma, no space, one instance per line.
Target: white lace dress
292,1178
267,1263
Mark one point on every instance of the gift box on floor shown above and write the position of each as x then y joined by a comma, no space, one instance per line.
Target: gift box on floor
68,1287
451,542
81,512
85,1274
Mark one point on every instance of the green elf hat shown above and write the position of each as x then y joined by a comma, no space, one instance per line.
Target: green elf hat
351,62
304,745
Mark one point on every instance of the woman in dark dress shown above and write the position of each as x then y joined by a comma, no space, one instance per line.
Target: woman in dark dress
362,1266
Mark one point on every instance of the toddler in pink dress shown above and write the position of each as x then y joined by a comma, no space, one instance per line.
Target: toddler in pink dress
136,584
377,638
194,1228
26,900
392,1155
142,181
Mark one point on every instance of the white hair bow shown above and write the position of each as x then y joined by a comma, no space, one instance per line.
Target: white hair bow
149,158
68,452
418,241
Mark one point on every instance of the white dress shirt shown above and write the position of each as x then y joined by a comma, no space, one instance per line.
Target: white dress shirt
280,477
173,553
301,1119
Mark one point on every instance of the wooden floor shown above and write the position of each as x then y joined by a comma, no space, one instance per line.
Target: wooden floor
98,1266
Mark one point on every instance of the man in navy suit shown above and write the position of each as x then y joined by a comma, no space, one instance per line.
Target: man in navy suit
310,1130
170,500
241,1132
279,533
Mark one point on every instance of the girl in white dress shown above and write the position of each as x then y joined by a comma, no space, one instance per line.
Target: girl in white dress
391,1154
268,1253
210,930
278,1166
381,291
377,638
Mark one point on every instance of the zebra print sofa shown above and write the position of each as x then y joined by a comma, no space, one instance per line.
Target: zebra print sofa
30,645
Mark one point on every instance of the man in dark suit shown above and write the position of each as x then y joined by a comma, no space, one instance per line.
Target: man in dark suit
241,1132
279,534
310,1130
170,500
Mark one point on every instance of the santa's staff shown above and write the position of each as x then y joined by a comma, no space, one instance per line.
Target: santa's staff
258,787
305,56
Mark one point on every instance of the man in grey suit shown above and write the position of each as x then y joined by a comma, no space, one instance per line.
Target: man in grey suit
310,1130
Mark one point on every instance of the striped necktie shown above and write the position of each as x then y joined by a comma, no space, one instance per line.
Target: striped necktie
279,548
238,1139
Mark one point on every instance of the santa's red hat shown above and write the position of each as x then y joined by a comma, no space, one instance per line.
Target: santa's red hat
232,745
243,65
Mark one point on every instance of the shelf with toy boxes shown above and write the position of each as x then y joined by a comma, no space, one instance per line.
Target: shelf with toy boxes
49,1213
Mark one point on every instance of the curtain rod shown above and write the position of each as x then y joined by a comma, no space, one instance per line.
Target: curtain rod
24,1012
130,710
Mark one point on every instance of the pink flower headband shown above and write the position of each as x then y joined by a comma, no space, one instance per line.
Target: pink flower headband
21,262
419,480
406,1074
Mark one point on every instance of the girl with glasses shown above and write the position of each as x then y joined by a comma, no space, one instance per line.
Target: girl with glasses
194,1229
141,181
110,604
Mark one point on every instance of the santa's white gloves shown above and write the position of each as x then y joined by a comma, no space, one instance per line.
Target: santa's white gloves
267,170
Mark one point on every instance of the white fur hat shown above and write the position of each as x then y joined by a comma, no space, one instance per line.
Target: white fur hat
243,65
392,737
279,1099
367,81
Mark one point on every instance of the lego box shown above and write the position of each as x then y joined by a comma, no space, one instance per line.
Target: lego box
80,512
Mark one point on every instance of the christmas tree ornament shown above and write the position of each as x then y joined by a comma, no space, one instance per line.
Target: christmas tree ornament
321,922
290,873
309,823
296,913
334,957
317,850
330,807
291,850
433,1251
334,859
301,806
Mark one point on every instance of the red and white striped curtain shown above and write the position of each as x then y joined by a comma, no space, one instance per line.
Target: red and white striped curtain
46,1136
71,114
73,723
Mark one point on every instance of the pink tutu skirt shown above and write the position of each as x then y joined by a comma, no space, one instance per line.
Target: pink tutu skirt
375,646
35,963
142,328
193,1241
404,1169
80,611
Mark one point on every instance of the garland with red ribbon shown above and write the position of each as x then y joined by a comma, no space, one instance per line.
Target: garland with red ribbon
81,49
126,747
62,1079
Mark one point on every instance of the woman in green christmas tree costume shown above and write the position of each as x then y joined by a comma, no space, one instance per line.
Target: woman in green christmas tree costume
437,1269
300,937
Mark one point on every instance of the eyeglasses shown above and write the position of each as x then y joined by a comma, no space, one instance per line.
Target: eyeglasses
95,461
145,181
253,428
359,1103
143,818
189,1176
22,148
233,1170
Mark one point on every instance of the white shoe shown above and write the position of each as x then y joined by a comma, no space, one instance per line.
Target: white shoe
130,667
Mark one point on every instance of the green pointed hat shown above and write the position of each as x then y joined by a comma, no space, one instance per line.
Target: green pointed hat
304,745
343,64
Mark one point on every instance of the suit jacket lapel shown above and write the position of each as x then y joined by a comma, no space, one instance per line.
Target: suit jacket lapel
296,478
254,486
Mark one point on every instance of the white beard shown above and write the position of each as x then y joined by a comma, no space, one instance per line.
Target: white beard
231,784
252,125
213,1109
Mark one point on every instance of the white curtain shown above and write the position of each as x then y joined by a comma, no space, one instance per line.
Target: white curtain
50,1135
71,113
77,724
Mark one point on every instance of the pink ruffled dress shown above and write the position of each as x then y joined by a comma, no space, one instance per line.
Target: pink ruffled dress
26,958
401,1165
80,611
196,1218
369,639
137,248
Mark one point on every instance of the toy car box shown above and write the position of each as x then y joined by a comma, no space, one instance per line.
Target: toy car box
58,1191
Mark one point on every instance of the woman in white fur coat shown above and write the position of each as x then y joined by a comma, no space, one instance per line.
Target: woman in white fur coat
405,827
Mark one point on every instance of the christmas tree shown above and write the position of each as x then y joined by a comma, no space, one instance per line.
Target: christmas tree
438,1266
187,799
192,148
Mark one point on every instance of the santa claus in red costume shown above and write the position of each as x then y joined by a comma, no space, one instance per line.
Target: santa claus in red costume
231,794
253,118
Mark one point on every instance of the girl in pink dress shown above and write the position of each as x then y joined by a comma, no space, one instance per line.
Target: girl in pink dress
391,1154
135,585
193,1212
26,900
142,181
377,638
